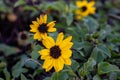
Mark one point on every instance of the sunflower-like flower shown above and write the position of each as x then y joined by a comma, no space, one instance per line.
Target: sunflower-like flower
41,27
84,8
56,53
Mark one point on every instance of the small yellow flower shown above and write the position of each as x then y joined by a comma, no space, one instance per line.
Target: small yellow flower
56,53
84,8
41,27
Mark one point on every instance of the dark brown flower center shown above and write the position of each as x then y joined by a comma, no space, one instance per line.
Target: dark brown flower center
84,8
23,36
55,52
43,28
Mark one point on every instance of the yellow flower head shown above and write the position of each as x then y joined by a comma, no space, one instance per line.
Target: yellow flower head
84,8
56,53
41,27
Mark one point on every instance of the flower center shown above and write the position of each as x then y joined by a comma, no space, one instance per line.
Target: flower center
43,28
23,36
84,8
55,52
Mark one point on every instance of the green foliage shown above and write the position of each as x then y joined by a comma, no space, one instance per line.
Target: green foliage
105,67
87,67
7,74
23,77
17,69
8,50
100,52
34,54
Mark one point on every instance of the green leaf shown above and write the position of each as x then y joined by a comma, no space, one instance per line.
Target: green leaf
74,33
90,64
59,76
23,77
97,55
2,64
69,19
1,79
113,76
91,24
100,52
19,3
63,76
30,8
47,78
35,53
96,77
87,67
16,73
8,50
105,67
38,71
83,71
55,76
75,65
31,64
104,49
69,71
4,7
7,74
17,69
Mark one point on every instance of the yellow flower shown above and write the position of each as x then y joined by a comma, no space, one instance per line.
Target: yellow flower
56,53
41,27
84,8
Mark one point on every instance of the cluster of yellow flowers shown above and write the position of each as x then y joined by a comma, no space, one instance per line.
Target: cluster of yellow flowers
56,53
84,8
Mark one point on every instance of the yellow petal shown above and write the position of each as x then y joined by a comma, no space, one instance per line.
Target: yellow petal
91,3
37,35
44,52
64,42
38,20
86,13
78,3
66,54
33,30
55,65
35,23
67,46
33,26
47,63
81,3
44,18
58,64
92,10
41,19
67,61
49,68
43,35
59,38
51,24
51,29
44,57
48,42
